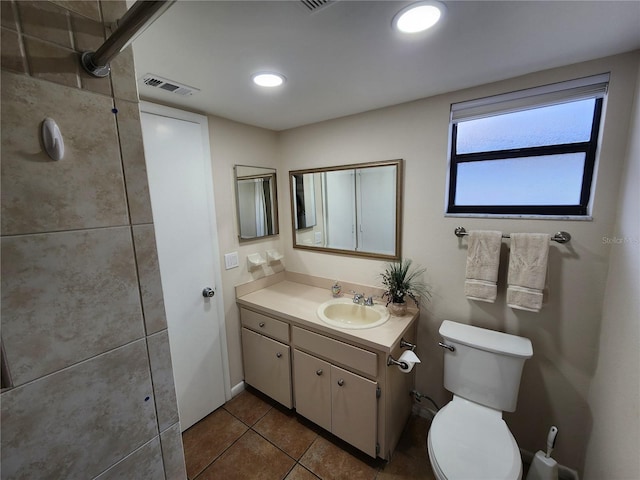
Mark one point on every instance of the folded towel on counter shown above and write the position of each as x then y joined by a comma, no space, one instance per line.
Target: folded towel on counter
483,258
527,270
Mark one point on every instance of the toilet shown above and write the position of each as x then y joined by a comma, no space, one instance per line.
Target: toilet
468,439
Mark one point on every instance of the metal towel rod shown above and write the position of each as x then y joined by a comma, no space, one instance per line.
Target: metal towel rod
560,237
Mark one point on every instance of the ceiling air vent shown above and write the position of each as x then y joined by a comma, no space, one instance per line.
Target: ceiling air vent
168,85
315,5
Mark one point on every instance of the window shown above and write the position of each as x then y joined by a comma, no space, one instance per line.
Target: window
530,152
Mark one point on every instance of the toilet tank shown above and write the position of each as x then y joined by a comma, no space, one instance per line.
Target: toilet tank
485,366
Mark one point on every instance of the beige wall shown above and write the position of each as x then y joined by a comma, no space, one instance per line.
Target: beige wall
614,394
83,322
232,144
566,333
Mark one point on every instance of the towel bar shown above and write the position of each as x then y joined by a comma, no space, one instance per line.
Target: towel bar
560,237
405,344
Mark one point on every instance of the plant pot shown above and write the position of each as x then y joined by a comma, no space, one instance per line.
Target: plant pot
397,309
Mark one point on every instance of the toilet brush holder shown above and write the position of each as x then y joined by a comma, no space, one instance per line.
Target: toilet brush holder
543,467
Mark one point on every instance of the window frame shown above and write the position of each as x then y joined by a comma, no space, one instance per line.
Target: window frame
589,148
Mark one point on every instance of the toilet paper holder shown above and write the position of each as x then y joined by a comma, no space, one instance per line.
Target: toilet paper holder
393,361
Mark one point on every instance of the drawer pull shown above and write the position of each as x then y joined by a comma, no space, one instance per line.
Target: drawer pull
341,382
319,372
261,324
278,354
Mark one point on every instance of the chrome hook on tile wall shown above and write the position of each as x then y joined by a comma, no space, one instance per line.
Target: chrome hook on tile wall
52,139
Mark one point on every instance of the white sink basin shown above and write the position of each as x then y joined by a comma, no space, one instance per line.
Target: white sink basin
343,313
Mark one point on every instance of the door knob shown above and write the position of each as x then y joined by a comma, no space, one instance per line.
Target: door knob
208,292
319,372
341,382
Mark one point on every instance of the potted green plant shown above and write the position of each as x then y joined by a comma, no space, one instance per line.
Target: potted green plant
400,280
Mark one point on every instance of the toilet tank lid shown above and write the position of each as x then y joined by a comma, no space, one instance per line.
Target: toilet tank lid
484,339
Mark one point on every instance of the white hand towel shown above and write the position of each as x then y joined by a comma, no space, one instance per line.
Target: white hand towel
527,270
483,258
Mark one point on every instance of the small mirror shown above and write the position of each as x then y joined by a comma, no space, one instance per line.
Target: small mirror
256,202
352,209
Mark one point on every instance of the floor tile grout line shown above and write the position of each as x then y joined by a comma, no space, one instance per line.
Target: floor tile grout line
221,453
308,470
215,458
296,462
250,428
245,423
271,443
289,471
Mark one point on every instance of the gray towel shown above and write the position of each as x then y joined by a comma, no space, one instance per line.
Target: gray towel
483,258
527,270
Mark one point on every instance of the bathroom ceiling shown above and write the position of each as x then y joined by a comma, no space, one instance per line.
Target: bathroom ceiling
345,58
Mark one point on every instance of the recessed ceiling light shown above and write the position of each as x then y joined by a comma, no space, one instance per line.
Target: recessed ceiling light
418,17
268,79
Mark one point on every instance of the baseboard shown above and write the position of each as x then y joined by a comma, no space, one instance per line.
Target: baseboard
237,389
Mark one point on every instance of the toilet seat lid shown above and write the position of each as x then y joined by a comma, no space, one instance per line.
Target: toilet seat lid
470,441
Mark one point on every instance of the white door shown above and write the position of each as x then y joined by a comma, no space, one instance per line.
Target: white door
176,145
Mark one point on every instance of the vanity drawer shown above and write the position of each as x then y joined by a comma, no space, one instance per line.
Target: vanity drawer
352,357
267,325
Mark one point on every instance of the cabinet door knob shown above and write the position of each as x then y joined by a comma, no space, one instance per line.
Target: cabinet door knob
261,324
278,354
319,372
341,382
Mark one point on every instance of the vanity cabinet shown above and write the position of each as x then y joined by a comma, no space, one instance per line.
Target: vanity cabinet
267,361
338,400
340,381
312,380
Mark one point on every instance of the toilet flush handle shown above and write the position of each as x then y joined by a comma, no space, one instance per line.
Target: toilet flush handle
448,347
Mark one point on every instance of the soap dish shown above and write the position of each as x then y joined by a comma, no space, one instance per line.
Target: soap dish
255,260
273,256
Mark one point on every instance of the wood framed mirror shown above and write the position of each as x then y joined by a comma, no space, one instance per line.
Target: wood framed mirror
256,202
351,209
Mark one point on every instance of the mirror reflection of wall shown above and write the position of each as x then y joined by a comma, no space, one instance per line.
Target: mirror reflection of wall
357,209
256,202
305,201
376,211
339,198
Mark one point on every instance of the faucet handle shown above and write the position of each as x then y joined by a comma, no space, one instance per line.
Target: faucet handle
369,301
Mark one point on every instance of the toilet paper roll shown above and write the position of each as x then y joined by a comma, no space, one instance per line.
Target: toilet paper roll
410,359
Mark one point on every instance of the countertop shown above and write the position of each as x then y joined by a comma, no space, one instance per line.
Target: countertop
298,302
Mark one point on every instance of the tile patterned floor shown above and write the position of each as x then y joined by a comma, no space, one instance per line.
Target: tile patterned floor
251,437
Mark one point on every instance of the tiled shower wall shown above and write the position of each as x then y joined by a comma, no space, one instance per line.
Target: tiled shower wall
87,369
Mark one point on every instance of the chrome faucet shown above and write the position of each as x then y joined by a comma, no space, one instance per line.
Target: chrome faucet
360,299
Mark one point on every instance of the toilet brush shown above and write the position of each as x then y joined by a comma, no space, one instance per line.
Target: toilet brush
543,467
